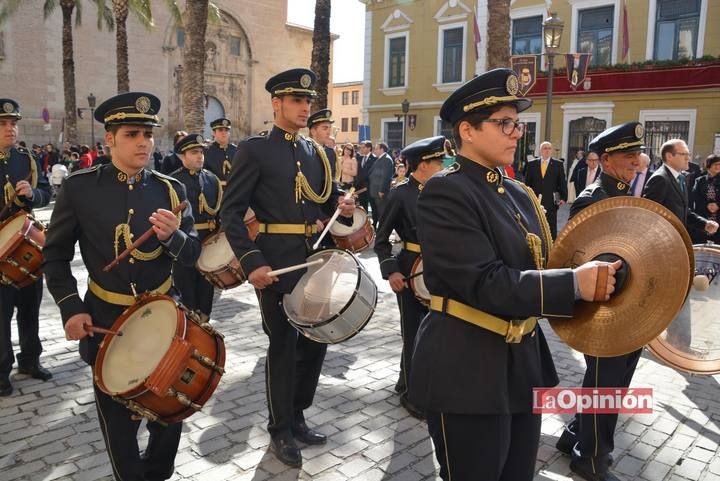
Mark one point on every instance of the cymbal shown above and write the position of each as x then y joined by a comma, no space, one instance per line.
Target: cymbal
656,256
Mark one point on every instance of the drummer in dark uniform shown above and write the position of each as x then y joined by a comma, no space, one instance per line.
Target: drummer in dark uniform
126,200
220,153
320,127
287,180
425,158
589,437
485,241
205,195
24,187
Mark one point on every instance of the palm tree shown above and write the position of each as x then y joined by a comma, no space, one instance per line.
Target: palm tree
121,9
68,7
320,61
498,32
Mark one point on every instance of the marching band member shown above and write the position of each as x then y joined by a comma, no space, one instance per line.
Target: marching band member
220,153
118,201
287,180
479,352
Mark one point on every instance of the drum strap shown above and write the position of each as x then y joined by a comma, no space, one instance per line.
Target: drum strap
513,331
303,229
411,246
124,299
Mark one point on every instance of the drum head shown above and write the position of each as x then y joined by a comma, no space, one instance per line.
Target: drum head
216,253
325,289
359,219
13,226
147,334
691,342
249,214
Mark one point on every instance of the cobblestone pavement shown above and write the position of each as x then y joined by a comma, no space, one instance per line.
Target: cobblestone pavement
50,430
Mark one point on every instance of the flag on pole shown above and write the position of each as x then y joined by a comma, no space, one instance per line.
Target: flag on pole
626,34
476,35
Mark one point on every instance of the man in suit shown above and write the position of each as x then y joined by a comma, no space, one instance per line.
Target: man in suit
668,186
546,176
587,175
365,161
379,180
642,176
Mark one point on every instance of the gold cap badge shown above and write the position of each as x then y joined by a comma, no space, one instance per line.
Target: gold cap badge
8,107
511,84
142,104
305,81
639,131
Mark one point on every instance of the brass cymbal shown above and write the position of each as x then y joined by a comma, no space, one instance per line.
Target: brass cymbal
657,258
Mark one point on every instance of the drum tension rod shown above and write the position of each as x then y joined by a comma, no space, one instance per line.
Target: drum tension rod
183,399
207,362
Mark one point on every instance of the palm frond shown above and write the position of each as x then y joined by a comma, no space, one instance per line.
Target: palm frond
142,9
214,14
48,7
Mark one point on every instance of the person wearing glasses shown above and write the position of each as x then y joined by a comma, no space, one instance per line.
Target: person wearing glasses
546,176
480,351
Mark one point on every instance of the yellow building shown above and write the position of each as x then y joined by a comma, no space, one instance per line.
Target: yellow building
421,50
345,102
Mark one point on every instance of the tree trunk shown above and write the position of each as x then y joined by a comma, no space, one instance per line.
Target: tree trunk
120,12
69,72
320,62
193,84
498,34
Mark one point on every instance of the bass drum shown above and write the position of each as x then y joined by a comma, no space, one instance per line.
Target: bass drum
333,300
691,343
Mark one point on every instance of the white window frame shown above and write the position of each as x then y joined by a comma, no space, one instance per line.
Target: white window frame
652,20
386,64
686,115
578,5
533,117
386,120
574,111
527,12
450,86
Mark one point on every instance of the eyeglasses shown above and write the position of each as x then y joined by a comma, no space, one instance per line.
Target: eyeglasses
508,125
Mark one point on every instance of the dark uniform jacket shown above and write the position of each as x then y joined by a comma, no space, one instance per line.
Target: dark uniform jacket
700,198
604,186
664,189
263,178
93,207
399,215
472,226
205,184
219,160
15,168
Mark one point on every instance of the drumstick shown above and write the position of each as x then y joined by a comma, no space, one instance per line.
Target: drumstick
285,270
9,203
359,191
412,276
332,219
102,330
140,241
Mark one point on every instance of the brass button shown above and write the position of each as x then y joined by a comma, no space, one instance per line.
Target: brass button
130,187
501,190
131,261
131,211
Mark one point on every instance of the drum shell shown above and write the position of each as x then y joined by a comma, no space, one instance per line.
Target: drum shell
21,256
359,239
227,276
419,289
202,383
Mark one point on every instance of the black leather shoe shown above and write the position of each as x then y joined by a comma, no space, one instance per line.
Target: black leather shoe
286,450
6,388
567,441
303,433
36,372
400,385
584,469
414,411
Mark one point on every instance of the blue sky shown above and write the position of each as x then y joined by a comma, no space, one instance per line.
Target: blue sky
347,19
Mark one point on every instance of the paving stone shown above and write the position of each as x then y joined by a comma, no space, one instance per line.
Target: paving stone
655,471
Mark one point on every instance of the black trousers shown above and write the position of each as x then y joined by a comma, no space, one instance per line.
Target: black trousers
551,216
594,433
412,313
376,204
292,366
120,432
488,447
196,292
27,302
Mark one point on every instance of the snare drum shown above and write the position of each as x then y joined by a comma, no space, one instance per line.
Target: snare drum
356,237
332,301
21,242
218,263
417,282
166,365
252,224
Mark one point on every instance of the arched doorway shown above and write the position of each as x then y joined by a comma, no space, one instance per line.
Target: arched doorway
213,110
582,131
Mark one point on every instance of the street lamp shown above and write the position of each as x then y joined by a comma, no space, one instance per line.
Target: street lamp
405,106
552,32
91,103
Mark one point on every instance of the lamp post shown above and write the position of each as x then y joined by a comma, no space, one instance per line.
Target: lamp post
405,106
91,103
552,32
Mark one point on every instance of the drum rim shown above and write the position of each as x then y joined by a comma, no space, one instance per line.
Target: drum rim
349,301
16,237
352,334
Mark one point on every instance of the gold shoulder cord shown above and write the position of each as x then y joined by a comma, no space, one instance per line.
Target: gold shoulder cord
302,186
534,242
202,201
9,189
